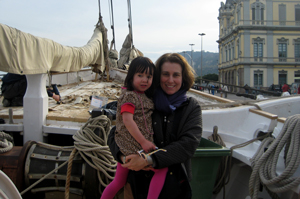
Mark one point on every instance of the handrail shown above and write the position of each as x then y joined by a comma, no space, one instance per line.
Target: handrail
264,114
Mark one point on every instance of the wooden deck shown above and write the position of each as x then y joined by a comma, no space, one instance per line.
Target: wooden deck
76,101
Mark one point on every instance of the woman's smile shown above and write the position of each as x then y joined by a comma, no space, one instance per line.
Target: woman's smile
171,77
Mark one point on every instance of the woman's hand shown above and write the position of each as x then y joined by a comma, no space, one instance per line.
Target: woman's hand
135,162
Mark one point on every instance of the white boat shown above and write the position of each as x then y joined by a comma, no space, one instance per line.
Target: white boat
7,188
241,124
237,122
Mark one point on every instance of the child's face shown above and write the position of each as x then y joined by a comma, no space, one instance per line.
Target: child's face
142,81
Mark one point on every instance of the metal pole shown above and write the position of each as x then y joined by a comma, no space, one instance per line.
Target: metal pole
192,55
201,34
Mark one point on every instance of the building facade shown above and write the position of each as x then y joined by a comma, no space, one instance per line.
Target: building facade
259,42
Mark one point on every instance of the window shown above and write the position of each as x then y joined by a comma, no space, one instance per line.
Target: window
238,14
229,50
258,12
282,52
258,48
226,55
297,49
282,76
258,78
297,14
297,76
238,48
227,22
282,49
282,14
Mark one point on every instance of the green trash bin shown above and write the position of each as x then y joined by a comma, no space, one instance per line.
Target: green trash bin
205,165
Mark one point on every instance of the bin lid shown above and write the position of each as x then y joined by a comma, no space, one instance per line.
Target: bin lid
210,148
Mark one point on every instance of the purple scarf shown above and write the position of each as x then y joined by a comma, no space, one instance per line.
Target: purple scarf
168,103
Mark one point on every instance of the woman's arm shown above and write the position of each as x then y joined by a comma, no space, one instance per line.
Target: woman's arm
179,151
135,162
187,137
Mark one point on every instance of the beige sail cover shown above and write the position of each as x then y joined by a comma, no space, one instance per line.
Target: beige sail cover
23,53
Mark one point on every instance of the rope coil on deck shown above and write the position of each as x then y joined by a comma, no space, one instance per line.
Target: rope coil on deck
5,142
264,163
94,150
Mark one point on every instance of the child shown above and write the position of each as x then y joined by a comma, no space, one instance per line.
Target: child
134,124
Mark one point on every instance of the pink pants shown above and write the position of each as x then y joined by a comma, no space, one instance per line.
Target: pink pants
156,184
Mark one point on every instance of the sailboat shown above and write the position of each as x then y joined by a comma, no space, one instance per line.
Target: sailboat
237,123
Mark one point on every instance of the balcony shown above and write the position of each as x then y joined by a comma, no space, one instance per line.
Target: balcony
261,60
267,24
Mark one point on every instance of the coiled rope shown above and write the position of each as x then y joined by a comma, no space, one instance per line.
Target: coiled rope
264,163
94,150
225,165
5,142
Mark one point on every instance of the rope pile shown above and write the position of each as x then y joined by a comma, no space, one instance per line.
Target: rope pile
5,142
264,163
94,150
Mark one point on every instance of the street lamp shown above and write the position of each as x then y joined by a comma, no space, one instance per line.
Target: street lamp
201,34
191,54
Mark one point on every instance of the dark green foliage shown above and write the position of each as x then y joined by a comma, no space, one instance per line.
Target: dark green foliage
213,77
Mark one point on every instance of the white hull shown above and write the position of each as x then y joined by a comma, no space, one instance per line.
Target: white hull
241,124
235,125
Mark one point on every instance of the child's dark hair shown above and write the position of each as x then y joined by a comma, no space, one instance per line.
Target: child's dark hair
141,65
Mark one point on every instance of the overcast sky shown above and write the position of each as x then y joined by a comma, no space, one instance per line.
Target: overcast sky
159,26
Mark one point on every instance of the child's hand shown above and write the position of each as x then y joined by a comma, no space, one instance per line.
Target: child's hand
148,146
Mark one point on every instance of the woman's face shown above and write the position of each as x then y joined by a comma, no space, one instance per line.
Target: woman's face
171,77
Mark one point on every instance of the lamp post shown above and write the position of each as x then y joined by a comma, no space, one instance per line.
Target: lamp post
191,54
201,34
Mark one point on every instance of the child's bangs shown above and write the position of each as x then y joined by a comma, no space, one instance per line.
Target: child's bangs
145,69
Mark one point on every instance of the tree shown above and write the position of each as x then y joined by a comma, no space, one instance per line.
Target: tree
213,77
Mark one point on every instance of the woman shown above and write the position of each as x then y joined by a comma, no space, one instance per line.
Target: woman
177,124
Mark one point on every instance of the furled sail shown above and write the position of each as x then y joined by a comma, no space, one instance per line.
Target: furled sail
23,53
128,53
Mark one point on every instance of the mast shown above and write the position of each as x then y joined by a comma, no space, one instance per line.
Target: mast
112,25
130,21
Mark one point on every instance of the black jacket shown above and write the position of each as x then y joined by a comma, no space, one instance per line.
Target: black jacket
179,133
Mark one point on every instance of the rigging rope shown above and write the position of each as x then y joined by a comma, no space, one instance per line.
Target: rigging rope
100,25
264,164
94,150
112,25
5,142
225,165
